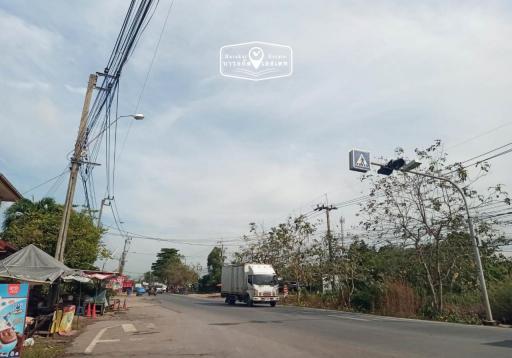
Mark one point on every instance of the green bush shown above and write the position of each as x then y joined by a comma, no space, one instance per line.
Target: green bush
501,301
364,299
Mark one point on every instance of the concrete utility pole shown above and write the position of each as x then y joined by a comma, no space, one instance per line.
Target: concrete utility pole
122,261
342,233
327,209
103,203
75,165
221,243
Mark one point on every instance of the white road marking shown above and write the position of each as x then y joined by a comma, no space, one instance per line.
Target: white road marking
151,326
349,317
97,340
129,328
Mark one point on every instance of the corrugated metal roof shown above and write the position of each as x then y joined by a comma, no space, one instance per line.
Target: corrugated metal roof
7,191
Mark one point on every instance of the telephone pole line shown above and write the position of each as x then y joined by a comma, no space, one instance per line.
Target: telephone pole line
73,175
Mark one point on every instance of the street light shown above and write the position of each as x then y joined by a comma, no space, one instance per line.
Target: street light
402,166
137,116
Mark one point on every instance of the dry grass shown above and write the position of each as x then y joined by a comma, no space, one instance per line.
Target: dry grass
398,299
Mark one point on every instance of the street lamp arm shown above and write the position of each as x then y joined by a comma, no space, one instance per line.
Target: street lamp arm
138,116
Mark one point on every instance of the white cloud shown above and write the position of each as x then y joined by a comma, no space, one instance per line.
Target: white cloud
76,90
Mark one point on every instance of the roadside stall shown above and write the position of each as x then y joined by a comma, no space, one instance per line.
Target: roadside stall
33,267
106,285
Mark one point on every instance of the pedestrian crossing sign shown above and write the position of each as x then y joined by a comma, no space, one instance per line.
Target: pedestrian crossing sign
359,160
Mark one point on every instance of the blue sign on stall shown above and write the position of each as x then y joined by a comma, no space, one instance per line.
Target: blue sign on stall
13,309
359,160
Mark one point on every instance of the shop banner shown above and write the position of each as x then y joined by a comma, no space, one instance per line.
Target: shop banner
63,320
13,309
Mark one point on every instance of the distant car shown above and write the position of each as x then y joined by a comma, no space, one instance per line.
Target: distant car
139,291
159,290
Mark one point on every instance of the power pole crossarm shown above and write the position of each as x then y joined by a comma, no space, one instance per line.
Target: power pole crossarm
73,175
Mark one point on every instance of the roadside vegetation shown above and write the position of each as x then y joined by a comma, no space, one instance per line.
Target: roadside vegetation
38,222
410,256
45,349
170,268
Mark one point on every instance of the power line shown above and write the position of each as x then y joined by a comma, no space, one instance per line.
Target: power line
488,152
480,135
155,52
150,68
174,241
45,182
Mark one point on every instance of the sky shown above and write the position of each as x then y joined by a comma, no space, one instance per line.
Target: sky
216,153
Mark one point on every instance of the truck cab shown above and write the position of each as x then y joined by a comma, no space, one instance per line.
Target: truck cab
250,283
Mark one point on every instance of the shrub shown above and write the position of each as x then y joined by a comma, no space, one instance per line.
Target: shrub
501,301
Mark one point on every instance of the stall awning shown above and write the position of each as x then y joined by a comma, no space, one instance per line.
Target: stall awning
33,265
98,275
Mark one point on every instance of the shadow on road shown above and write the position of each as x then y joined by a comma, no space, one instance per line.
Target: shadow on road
223,304
507,343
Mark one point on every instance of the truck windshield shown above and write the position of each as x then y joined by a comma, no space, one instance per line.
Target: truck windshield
263,280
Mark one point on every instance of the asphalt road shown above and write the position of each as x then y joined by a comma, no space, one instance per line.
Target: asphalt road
318,333
183,326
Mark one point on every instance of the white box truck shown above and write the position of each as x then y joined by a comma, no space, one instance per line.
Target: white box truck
250,283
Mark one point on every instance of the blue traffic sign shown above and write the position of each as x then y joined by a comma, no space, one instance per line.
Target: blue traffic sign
359,160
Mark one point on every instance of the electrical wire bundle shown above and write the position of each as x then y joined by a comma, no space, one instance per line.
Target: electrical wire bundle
102,116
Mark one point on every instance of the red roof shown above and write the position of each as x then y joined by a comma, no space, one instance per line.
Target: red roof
7,246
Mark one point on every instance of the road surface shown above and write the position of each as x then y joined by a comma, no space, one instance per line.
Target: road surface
182,326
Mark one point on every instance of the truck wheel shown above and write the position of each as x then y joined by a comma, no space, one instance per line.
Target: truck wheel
248,301
273,304
232,300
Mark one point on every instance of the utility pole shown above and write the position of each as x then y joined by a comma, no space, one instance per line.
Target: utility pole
221,242
122,261
103,203
327,209
342,233
75,165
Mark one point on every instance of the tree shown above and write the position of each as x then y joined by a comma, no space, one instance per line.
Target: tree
215,261
27,222
179,274
170,269
165,258
428,216
289,247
